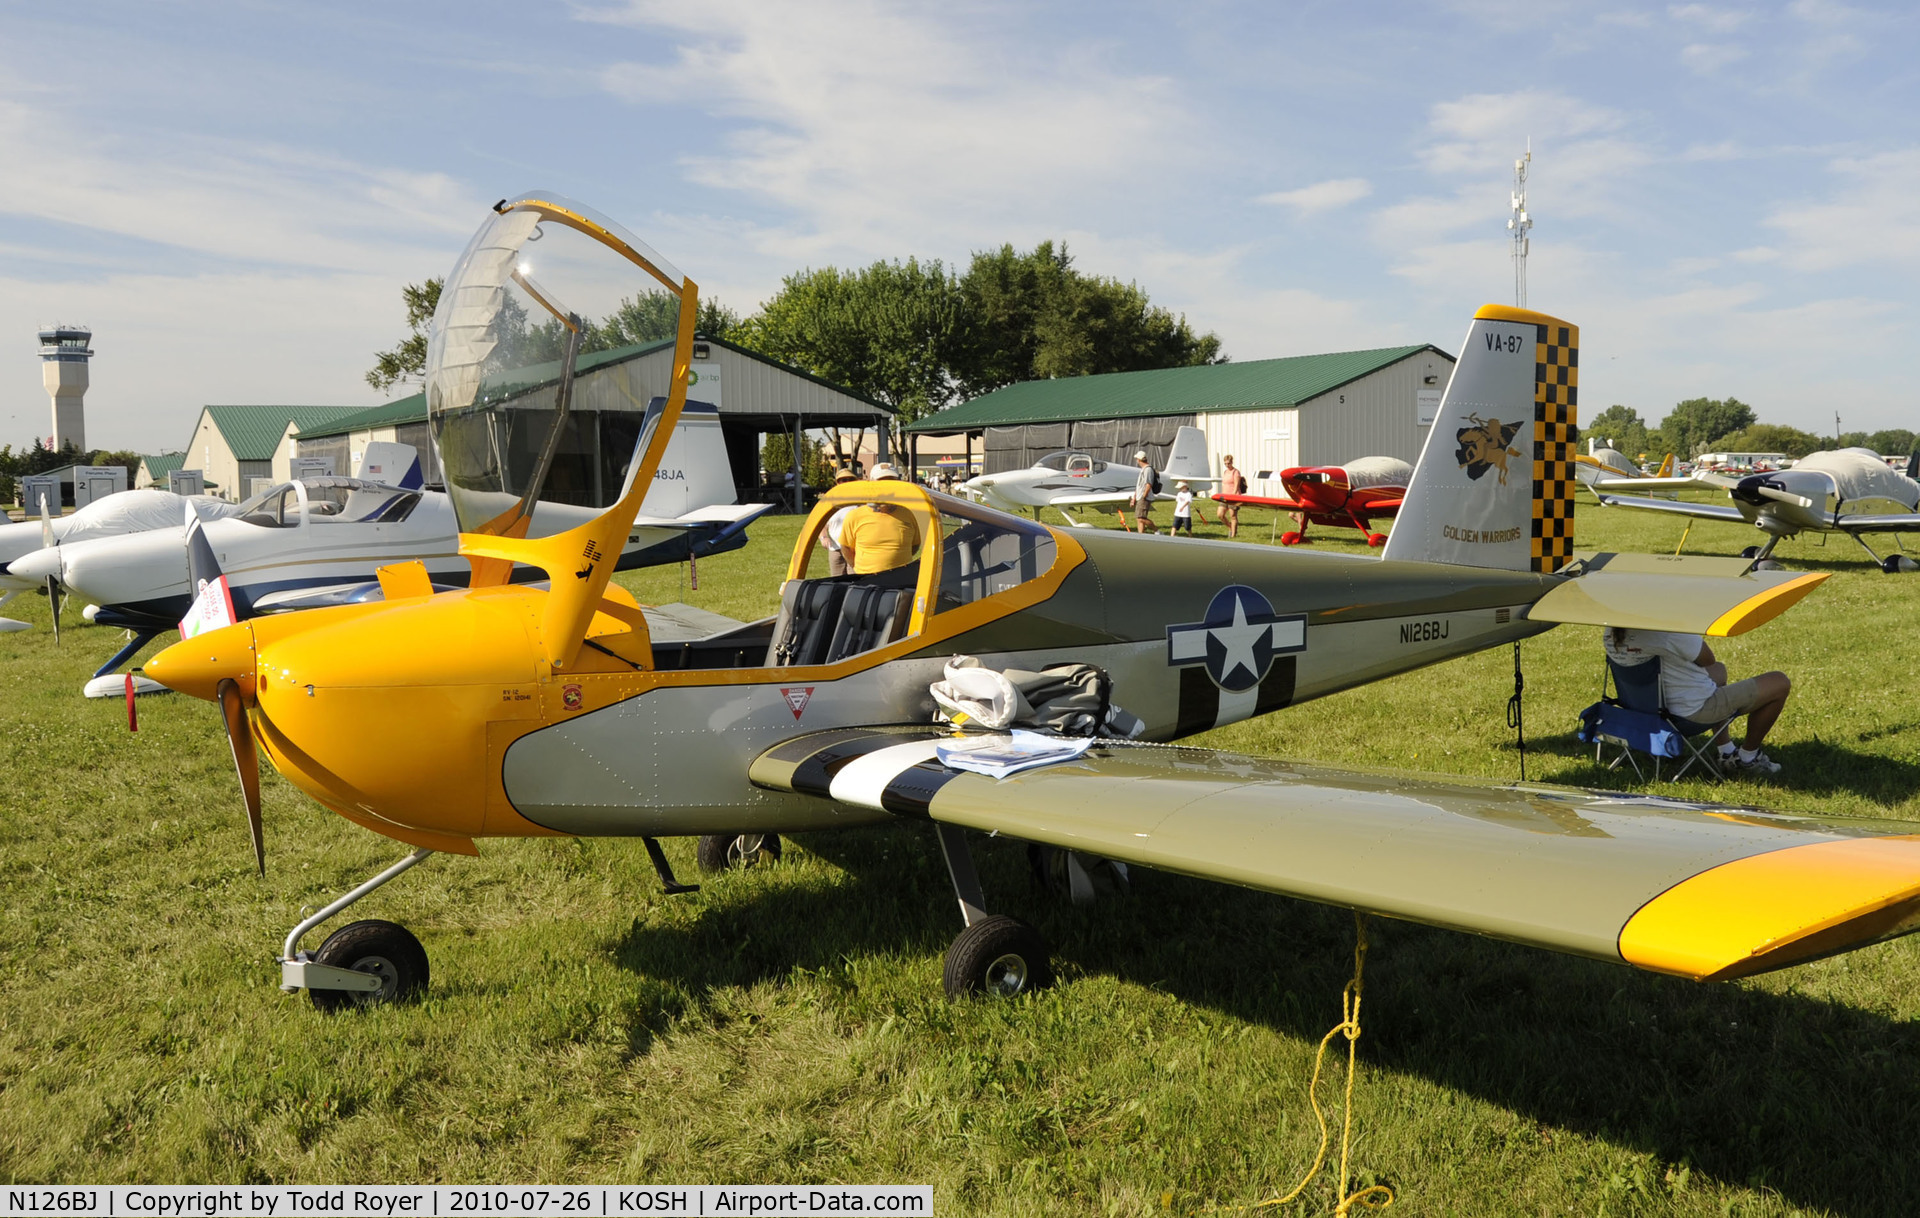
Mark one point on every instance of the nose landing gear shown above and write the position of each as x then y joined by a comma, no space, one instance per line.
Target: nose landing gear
363,963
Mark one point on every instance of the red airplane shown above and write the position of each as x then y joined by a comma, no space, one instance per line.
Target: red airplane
1350,494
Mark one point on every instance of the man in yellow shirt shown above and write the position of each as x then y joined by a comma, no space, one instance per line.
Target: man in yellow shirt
879,536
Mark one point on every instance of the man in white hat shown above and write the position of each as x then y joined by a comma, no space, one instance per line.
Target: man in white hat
1143,489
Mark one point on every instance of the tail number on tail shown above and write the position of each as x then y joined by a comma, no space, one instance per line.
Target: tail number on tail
1426,632
1508,344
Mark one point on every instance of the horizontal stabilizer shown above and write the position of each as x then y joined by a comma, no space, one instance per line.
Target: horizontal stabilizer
1699,890
1710,596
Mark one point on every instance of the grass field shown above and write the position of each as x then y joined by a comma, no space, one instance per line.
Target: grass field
786,1024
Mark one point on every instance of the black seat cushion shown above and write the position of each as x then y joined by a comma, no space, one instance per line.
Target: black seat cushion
868,618
810,627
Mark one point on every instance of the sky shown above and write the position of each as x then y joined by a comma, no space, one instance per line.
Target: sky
1726,199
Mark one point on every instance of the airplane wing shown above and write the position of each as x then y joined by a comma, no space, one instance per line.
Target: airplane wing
1676,507
1696,890
1090,498
1892,522
1265,501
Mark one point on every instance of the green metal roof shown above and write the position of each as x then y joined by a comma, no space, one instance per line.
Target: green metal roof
1205,389
252,432
413,408
409,409
162,464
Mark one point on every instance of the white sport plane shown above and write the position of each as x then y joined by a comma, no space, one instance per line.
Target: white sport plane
1078,479
317,542
1822,493
110,516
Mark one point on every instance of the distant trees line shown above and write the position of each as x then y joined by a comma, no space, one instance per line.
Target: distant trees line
1700,425
39,457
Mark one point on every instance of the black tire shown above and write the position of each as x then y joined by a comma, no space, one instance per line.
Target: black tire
387,950
1750,552
737,851
999,956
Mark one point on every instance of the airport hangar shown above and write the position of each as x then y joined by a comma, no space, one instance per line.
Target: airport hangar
1269,414
755,396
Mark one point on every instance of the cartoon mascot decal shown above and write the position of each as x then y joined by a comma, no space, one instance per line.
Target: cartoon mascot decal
1485,444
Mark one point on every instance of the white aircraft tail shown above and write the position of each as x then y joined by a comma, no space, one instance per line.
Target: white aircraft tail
693,471
1495,482
391,463
1187,460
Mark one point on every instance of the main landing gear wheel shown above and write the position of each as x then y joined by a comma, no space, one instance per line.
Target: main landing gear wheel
997,956
1750,552
1376,540
1291,538
387,950
737,851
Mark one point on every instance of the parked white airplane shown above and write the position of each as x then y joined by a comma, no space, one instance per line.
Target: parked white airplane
110,516
317,542
1822,493
1078,479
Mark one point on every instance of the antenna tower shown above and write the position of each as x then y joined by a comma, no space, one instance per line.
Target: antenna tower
1519,225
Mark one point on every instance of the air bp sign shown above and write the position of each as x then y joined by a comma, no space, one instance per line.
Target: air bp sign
703,384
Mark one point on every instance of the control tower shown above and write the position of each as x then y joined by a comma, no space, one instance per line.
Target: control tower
63,354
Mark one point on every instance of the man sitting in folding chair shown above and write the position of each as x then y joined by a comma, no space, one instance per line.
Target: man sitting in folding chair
1692,688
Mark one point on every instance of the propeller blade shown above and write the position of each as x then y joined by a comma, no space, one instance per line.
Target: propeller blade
53,604
1784,496
246,761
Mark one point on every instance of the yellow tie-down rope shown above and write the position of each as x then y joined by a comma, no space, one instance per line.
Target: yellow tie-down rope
1377,1196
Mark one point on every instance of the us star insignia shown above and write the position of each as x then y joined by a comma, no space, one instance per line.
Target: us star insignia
1238,639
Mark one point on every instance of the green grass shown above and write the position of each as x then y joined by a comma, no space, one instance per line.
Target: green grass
787,1024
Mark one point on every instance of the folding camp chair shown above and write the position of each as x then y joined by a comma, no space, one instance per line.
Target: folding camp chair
1635,719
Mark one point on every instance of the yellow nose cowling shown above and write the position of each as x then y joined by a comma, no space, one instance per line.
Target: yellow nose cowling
385,712
196,666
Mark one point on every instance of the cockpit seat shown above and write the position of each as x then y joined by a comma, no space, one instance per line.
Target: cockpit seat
810,616
869,618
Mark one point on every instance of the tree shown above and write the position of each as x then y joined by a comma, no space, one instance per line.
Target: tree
652,316
1622,428
1033,316
776,457
1771,438
409,359
1893,442
1695,425
887,332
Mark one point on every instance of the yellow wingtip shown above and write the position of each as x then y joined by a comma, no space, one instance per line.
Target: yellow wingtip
1495,312
1762,607
1771,910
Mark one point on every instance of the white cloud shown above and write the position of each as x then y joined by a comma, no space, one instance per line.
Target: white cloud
874,125
1321,196
1707,58
1706,16
1872,217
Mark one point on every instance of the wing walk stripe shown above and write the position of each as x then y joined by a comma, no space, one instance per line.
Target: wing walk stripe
862,781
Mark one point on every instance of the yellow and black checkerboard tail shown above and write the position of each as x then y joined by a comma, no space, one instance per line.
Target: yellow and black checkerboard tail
1556,436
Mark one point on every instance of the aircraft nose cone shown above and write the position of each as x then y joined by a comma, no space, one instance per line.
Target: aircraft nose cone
36,566
196,666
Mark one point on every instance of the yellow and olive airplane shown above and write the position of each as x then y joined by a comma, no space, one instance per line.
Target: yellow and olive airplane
511,709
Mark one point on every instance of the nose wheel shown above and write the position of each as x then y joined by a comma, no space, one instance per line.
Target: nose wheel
385,951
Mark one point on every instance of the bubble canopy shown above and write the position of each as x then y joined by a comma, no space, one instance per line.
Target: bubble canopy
529,400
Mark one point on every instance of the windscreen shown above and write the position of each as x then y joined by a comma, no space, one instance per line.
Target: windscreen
553,332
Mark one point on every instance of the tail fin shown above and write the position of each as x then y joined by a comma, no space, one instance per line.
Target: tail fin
1666,468
1495,482
391,463
1188,457
1913,465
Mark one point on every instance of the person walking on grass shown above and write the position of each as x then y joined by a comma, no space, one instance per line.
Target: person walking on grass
1182,510
1144,489
1232,482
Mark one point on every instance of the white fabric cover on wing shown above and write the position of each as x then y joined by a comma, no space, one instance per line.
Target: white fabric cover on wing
1616,460
1859,473
1378,471
985,697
